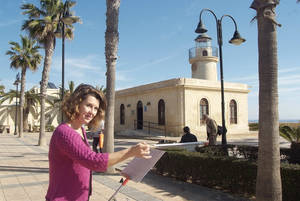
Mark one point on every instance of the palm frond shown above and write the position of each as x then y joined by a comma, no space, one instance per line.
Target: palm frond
9,96
24,56
289,133
31,10
43,21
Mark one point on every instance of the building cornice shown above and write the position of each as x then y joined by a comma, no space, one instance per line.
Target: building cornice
190,83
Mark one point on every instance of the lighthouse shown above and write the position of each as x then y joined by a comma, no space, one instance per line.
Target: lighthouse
203,59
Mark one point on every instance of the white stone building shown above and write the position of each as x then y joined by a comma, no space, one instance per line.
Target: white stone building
8,112
169,105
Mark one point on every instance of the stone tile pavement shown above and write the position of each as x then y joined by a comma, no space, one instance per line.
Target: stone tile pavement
24,176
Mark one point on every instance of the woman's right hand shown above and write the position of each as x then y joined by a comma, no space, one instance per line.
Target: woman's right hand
141,150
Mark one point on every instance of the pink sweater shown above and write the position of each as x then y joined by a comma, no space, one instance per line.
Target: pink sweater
70,162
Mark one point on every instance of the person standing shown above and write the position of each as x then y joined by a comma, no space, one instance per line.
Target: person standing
188,136
96,136
211,129
71,159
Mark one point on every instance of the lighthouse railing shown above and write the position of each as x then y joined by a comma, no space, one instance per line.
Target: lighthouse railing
203,51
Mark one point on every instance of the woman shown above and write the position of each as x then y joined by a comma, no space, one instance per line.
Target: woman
70,157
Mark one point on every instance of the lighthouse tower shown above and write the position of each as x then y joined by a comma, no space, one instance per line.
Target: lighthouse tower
204,59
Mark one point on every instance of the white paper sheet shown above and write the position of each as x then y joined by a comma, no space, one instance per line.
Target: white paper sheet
139,167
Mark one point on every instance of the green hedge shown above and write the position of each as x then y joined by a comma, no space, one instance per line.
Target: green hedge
228,173
253,126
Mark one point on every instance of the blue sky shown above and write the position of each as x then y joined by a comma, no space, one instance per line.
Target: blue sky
155,36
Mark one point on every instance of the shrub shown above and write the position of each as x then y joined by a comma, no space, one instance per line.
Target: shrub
49,128
227,173
292,135
253,126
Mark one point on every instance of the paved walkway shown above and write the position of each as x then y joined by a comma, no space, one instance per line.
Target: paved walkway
24,177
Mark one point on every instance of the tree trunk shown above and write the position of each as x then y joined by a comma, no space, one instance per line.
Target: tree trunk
25,119
111,48
49,48
268,184
22,92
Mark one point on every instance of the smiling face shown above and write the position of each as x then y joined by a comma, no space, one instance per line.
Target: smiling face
88,109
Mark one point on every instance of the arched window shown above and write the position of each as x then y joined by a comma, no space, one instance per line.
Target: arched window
122,114
161,112
204,53
233,112
203,109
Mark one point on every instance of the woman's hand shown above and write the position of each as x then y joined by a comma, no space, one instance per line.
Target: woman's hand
141,150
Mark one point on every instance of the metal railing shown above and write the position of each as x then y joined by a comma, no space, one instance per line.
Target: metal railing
150,126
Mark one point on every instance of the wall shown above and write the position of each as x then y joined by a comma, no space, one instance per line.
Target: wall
182,101
151,94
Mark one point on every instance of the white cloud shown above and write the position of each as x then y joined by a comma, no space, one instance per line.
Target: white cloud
289,80
122,77
153,62
285,77
289,89
246,78
88,62
287,70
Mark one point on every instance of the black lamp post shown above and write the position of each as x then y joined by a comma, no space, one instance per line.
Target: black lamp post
17,81
236,40
64,18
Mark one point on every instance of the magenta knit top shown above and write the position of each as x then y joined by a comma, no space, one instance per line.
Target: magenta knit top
70,163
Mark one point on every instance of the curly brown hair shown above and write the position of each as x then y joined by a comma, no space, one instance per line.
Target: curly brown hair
72,101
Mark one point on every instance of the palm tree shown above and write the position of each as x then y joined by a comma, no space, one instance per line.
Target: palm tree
2,87
293,136
42,24
268,171
9,96
31,100
111,48
290,134
55,102
6,110
25,56
101,88
71,88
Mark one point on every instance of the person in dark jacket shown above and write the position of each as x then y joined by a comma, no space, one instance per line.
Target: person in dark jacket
188,136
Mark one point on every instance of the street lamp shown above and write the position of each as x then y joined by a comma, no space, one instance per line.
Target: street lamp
236,40
64,18
17,81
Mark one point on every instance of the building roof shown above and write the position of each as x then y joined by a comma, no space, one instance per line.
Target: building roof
51,85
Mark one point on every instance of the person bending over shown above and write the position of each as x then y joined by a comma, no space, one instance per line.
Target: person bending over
211,129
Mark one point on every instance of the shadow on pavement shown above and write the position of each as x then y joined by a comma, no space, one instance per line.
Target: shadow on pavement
24,169
172,188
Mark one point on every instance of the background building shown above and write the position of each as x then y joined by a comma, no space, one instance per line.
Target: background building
169,105
53,114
